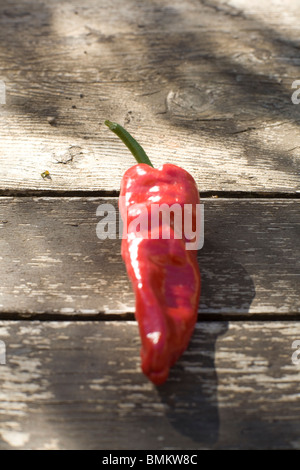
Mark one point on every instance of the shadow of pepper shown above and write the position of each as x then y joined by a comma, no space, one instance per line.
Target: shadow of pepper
191,393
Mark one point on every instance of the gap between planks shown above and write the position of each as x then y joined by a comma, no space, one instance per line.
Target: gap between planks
126,317
114,193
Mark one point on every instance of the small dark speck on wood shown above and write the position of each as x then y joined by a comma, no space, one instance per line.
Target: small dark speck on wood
51,120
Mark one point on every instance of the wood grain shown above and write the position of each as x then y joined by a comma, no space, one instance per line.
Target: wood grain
204,84
207,85
52,263
79,386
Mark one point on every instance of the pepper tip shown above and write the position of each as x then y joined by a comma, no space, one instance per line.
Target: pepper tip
111,125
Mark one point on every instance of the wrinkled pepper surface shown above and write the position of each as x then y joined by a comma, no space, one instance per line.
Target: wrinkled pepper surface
164,274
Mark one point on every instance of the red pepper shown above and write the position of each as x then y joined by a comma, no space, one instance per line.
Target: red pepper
164,274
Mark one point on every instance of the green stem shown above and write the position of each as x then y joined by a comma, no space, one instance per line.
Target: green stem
135,148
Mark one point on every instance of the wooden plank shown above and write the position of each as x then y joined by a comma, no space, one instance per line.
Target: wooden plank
52,263
205,85
78,385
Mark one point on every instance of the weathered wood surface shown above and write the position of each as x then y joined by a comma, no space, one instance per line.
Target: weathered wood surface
52,263
79,386
203,84
206,85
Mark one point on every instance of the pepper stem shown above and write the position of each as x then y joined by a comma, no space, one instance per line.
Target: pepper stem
135,148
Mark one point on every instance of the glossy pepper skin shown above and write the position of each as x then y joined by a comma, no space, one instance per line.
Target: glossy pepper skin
164,274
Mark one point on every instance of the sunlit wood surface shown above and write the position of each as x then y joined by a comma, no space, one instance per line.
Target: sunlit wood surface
210,86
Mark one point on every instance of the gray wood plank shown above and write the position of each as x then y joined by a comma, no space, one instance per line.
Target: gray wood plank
79,386
206,85
53,264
